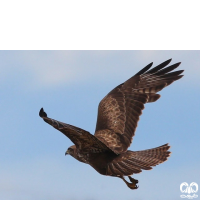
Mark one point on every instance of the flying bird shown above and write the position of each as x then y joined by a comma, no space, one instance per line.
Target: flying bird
118,114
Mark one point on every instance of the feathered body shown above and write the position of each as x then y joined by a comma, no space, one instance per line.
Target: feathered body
118,115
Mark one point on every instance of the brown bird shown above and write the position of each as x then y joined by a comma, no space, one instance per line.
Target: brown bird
118,115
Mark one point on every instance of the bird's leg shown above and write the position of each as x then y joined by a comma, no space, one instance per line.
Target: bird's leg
133,183
133,180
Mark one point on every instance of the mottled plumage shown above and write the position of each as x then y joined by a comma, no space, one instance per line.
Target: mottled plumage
118,115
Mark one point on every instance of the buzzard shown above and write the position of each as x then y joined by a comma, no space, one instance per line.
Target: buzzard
118,115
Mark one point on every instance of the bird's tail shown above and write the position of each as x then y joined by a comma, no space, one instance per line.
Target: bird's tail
132,162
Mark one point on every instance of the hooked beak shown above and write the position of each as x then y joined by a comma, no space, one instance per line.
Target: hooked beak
67,152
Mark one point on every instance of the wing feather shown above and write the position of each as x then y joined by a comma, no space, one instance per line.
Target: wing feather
84,141
120,109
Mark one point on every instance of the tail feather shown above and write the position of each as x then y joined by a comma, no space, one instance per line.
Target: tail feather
159,153
135,161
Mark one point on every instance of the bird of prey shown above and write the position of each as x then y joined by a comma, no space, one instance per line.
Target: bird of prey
118,114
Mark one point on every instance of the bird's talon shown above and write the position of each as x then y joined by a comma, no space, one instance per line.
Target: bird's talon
133,180
133,184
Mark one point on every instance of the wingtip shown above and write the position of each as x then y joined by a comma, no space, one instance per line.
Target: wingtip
168,146
143,70
177,64
168,61
42,113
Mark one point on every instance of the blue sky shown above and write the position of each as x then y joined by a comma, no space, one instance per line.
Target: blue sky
69,85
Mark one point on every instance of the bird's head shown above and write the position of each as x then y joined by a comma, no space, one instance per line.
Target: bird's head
71,151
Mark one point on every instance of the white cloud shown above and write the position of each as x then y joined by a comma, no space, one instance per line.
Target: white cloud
55,68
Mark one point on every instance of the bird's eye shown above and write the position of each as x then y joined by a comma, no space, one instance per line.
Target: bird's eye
70,149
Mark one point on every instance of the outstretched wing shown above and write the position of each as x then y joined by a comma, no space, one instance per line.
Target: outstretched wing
83,140
119,110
